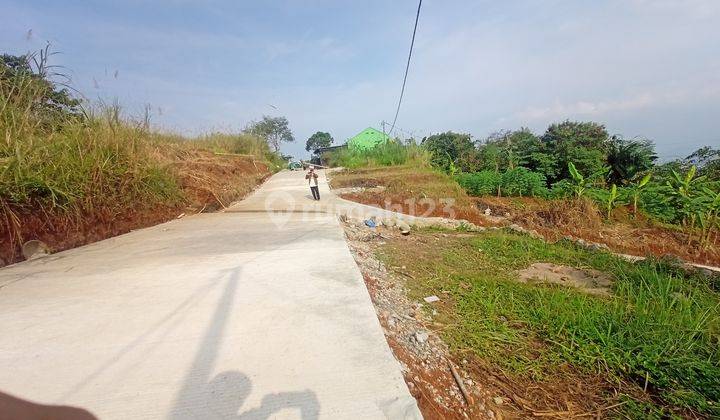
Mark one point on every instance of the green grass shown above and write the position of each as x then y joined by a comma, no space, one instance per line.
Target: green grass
53,161
59,160
388,154
661,323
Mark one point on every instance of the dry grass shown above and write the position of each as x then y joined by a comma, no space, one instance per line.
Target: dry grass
410,189
69,179
624,233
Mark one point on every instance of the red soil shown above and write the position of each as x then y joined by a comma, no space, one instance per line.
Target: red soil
208,182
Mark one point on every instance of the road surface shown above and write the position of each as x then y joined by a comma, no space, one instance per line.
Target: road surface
244,314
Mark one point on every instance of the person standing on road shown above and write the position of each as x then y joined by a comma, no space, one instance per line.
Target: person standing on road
312,178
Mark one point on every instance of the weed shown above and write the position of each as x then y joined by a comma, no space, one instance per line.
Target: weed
386,154
660,329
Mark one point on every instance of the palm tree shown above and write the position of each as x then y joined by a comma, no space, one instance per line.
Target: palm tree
627,158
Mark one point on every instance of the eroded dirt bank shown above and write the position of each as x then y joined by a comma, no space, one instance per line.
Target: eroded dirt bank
208,182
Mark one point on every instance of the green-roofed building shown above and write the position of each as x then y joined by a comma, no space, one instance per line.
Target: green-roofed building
367,139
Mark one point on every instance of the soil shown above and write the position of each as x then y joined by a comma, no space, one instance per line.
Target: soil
410,332
209,182
494,394
626,234
589,281
554,220
423,208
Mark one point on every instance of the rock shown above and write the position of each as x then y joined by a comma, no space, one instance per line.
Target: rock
535,234
403,227
421,337
498,400
488,212
34,249
490,414
389,222
517,228
392,321
594,247
431,299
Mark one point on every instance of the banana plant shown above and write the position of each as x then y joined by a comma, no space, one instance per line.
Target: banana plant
710,220
611,200
637,189
579,182
685,189
685,186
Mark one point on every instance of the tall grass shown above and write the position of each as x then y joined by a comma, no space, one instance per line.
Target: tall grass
387,154
660,329
241,144
58,160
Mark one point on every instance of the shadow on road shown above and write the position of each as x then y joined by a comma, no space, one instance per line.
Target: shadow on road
223,395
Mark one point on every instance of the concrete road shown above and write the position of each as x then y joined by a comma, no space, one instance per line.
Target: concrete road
243,314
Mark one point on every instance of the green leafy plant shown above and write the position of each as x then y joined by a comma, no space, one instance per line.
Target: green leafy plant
611,200
636,189
579,183
709,219
685,191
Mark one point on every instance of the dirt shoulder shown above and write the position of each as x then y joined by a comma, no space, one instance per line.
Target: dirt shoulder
532,346
208,182
424,193
424,357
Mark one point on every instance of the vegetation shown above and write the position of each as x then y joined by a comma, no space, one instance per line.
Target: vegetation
57,156
514,182
318,140
275,130
449,150
386,154
571,160
658,331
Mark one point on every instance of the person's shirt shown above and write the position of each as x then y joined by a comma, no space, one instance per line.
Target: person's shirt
312,178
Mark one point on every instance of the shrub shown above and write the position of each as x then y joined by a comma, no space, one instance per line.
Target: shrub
388,154
480,183
514,182
523,182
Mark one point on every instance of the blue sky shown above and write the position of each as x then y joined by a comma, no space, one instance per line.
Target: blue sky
643,67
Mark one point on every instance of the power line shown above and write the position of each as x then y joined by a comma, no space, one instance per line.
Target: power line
407,67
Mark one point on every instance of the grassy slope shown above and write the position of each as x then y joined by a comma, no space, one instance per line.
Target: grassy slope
73,182
661,324
410,188
419,190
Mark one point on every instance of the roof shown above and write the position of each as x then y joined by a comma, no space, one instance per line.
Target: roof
367,139
321,150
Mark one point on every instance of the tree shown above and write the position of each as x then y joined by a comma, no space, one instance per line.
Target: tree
707,161
507,150
582,143
627,158
27,80
318,140
450,149
274,130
